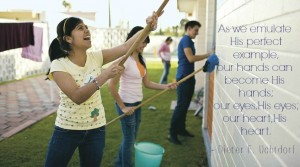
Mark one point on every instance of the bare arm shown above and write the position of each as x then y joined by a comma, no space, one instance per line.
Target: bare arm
78,95
152,85
191,58
118,51
112,86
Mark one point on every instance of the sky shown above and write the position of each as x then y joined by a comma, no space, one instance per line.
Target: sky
133,11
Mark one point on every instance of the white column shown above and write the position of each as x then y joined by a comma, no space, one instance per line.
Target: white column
200,15
209,44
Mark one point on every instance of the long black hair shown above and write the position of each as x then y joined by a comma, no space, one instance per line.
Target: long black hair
133,31
59,47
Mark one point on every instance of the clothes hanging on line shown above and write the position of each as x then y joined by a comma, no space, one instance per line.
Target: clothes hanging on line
34,52
15,35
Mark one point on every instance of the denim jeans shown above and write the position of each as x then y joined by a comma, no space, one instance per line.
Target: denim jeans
130,125
164,77
64,142
185,92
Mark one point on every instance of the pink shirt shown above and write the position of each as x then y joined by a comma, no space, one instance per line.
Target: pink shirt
164,52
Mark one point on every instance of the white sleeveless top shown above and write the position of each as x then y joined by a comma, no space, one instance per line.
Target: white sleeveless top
131,82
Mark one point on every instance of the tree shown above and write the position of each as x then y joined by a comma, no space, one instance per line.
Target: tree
169,31
95,114
176,30
183,22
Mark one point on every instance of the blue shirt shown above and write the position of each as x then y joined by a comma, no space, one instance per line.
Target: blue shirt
184,66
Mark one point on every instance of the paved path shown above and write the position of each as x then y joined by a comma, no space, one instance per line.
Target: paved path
24,102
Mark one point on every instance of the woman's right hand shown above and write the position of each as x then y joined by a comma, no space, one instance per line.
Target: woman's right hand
128,110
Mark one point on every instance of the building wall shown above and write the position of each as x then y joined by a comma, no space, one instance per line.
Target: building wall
282,133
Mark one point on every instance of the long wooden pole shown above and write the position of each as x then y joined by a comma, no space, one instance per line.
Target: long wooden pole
155,96
146,31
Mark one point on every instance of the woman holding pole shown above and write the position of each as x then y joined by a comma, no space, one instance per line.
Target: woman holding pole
129,95
80,121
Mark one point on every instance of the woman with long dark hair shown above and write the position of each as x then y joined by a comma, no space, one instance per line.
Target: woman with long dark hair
130,94
80,121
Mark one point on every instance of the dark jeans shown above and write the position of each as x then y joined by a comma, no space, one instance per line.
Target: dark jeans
185,93
64,142
164,77
130,125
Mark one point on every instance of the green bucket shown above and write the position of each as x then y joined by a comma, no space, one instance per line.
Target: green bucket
148,154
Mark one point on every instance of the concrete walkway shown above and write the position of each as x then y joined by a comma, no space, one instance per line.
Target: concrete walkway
24,102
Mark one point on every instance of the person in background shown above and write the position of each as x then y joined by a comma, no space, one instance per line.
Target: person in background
80,121
165,55
130,94
185,90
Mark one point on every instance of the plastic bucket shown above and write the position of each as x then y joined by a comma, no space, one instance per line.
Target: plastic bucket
148,154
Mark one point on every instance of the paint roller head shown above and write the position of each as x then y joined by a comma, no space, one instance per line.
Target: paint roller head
210,63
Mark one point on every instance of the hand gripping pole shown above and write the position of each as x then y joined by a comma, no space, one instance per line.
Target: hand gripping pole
145,32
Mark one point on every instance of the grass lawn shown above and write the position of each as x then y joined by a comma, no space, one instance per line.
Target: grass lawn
28,148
